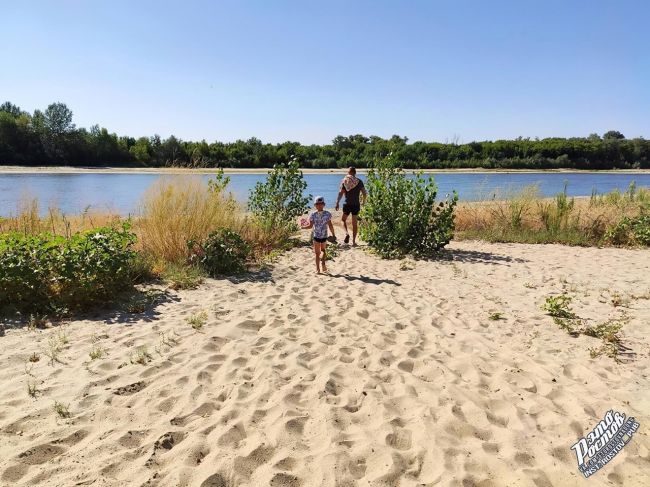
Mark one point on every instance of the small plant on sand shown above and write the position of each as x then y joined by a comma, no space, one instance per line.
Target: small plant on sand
496,316
141,301
167,340
32,387
607,331
197,321
36,322
618,300
61,409
180,277
34,357
97,352
141,355
53,349
644,295
610,350
62,336
559,306
407,264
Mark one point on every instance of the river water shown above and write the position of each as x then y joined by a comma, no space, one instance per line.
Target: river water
121,192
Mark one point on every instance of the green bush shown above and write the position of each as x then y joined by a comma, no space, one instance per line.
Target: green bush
402,216
223,252
630,231
279,200
46,273
26,264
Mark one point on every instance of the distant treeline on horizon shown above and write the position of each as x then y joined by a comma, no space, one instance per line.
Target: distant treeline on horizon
50,138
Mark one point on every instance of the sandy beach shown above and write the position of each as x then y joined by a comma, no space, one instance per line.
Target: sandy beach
371,376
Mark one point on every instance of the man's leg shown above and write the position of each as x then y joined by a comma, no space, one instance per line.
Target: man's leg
354,230
345,225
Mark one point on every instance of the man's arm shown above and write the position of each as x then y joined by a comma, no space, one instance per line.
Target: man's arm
364,195
338,198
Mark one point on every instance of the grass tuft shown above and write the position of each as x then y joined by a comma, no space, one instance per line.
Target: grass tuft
141,355
197,321
97,352
61,409
496,316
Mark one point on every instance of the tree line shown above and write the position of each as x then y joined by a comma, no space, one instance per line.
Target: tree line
50,138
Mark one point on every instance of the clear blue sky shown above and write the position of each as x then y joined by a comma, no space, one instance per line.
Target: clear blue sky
310,70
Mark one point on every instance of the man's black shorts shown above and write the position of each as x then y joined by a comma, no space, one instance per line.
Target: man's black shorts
354,209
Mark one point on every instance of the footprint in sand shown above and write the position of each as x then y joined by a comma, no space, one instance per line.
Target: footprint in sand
399,440
245,466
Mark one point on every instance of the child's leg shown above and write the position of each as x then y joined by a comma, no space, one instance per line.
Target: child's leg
317,254
323,247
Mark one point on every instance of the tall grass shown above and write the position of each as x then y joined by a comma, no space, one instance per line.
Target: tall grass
177,210
525,216
28,220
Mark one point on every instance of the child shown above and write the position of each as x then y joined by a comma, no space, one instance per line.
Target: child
319,221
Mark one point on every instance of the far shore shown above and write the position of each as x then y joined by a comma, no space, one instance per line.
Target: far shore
227,170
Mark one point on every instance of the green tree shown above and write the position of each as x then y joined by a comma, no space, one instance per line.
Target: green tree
277,201
613,134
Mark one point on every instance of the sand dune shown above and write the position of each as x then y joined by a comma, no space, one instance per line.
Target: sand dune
371,376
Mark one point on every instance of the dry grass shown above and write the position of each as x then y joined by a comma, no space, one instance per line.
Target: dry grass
28,220
524,216
176,210
173,211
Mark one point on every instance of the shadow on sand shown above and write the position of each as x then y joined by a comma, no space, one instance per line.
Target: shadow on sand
366,279
474,256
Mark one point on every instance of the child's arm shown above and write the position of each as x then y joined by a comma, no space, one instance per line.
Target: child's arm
308,226
331,226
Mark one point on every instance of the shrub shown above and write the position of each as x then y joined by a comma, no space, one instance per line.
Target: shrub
223,252
634,231
46,273
25,266
279,200
94,266
402,216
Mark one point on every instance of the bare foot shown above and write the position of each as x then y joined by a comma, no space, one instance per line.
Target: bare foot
354,244
324,269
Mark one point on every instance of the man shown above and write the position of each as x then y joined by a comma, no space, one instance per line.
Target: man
352,187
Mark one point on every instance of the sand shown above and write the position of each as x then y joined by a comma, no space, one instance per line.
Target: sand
371,376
